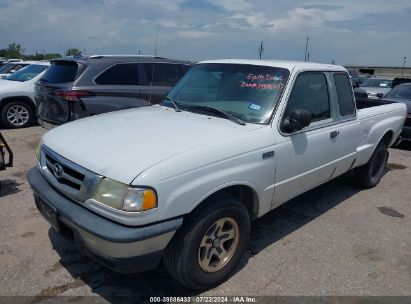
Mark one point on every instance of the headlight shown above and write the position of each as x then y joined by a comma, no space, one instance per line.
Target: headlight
139,199
123,197
37,151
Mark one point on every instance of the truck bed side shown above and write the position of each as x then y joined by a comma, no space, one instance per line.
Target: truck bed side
377,118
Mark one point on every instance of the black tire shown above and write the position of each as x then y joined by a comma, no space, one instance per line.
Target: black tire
182,255
370,174
23,111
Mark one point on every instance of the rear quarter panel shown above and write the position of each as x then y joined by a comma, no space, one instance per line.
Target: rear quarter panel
375,122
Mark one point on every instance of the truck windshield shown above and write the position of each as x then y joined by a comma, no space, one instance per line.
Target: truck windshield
248,92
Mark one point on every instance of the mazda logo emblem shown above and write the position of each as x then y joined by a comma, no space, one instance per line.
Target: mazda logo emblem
58,171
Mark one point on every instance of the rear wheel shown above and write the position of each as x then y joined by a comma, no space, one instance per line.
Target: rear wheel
370,174
16,114
209,245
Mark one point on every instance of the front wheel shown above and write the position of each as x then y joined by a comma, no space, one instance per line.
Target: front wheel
210,244
370,174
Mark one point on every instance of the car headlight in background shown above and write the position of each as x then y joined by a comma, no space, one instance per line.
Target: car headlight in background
121,196
37,151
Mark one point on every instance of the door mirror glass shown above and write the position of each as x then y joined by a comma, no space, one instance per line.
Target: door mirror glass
297,120
379,95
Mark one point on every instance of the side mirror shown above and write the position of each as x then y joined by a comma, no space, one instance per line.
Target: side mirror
379,95
298,120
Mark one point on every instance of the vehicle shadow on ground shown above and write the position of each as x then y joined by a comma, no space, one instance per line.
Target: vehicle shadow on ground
265,231
9,187
405,145
298,212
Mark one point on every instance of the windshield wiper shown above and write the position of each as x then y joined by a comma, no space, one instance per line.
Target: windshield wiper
218,112
175,105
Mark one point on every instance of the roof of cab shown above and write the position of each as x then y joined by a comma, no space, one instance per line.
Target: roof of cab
286,64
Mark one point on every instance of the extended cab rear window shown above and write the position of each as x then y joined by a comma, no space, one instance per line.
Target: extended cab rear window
345,98
60,72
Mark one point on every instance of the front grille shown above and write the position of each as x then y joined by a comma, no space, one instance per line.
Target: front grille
69,178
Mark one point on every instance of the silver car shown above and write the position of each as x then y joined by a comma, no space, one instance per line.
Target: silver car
376,85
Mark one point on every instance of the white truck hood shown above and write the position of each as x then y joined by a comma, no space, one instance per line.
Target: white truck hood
120,145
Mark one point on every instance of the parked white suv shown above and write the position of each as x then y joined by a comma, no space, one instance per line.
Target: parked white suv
17,105
184,180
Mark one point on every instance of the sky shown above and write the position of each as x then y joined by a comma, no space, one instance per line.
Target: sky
363,32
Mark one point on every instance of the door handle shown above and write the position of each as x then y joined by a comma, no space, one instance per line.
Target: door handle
334,134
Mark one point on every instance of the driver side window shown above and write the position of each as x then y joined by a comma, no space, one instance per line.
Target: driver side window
310,92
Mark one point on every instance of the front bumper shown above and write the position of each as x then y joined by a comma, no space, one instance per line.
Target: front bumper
121,248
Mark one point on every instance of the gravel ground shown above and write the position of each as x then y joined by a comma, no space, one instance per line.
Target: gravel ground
334,240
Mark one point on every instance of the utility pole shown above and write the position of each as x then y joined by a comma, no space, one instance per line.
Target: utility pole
306,55
261,49
403,65
84,51
158,31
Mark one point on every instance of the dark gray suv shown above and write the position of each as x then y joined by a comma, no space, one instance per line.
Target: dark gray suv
73,88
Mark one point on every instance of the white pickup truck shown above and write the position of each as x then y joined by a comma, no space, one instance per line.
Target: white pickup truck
182,181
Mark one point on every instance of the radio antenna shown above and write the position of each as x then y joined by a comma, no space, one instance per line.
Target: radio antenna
158,31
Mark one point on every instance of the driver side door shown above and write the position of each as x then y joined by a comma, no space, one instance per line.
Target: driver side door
308,155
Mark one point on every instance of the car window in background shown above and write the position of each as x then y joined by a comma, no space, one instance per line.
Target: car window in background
18,67
248,92
60,72
400,92
353,73
186,68
120,74
27,73
364,78
310,92
6,68
377,82
163,73
345,98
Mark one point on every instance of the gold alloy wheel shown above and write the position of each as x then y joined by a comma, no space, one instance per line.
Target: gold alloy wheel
218,244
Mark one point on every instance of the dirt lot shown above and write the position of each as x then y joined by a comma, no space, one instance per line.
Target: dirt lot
334,240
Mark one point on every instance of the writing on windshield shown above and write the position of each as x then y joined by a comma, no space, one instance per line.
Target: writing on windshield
263,82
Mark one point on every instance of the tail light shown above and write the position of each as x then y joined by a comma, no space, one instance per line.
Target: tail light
72,95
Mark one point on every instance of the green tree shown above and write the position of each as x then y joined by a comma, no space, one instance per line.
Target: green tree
14,50
51,56
73,52
41,56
